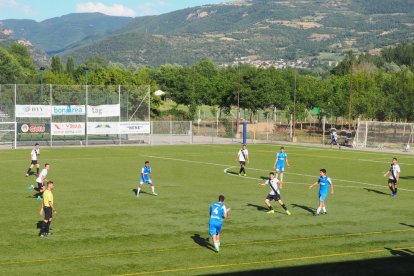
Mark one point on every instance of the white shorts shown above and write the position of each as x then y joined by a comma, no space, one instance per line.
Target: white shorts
146,181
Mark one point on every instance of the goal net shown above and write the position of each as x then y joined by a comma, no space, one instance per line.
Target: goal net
387,135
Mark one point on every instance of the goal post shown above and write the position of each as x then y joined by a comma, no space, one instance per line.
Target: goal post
384,135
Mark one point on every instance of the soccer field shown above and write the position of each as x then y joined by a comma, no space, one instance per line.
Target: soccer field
101,228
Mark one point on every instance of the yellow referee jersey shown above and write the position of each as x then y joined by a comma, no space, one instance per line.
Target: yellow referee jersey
47,198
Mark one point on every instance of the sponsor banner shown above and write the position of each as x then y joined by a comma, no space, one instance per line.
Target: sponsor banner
134,128
32,128
68,110
60,129
103,128
33,111
109,110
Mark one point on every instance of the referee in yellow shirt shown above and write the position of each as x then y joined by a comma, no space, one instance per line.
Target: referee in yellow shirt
48,208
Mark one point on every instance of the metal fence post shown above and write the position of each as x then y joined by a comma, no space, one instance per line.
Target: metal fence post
170,132
323,129
191,132
51,115
120,109
15,117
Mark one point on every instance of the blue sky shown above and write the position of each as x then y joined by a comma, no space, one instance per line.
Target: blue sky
43,9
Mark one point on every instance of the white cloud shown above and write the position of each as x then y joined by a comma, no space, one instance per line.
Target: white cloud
114,10
25,8
151,8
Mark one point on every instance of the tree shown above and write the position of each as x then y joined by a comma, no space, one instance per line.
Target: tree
70,66
11,70
56,65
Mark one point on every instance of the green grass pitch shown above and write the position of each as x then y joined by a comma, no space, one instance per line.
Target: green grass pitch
101,228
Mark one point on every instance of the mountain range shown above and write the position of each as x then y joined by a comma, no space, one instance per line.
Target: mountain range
321,30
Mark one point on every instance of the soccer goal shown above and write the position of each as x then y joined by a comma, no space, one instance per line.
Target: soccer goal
384,135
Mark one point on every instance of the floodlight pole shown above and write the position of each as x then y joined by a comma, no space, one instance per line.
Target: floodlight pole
350,97
294,110
42,70
119,101
238,99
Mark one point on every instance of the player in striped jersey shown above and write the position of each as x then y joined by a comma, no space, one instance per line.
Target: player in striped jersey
394,173
35,162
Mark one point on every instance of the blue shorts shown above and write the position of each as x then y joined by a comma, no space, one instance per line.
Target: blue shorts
280,168
322,197
145,180
214,229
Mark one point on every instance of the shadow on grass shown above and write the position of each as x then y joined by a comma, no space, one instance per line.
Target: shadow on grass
409,177
141,192
263,209
402,264
265,178
203,242
405,252
39,226
306,208
259,208
376,191
405,224
232,172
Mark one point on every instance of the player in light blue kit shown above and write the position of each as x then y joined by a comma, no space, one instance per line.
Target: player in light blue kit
324,182
218,212
281,158
146,178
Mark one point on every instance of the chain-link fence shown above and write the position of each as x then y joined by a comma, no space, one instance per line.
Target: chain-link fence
63,115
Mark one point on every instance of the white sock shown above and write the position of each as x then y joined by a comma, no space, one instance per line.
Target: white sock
324,209
153,189
319,210
281,177
139,190
216,245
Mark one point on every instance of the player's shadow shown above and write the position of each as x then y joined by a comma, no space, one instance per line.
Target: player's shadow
306,208
264,178
262,208
141,192
401,252
376,191
405,224
204,242
39,226
232,172
409,177
258,207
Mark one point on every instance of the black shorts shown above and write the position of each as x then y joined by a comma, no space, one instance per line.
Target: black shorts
242,163
35,162
40,186
392,181
275,197
48,212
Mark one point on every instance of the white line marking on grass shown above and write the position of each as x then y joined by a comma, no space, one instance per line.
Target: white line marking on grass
307,184
307,175
299,174
384,162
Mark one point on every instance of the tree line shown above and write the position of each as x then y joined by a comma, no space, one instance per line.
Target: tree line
370,87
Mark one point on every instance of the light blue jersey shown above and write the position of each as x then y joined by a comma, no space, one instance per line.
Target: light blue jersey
281,159
324,183
217,211
145,172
